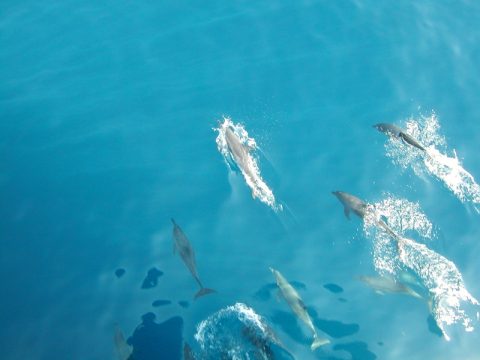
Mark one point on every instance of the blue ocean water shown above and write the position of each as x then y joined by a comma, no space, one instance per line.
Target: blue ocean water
107,111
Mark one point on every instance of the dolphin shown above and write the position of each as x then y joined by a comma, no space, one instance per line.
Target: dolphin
387,284
124,351
263,343
187,254
359,208
239,151
396,132
298,307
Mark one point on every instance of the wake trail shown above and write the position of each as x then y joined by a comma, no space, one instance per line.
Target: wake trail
451,303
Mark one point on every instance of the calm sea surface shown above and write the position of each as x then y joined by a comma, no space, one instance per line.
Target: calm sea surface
107,117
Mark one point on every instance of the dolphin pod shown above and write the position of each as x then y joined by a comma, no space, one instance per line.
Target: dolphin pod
182,245
240,157
295,302
396,132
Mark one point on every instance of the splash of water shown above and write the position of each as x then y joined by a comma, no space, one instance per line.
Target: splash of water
237,332
248,164
436,161
450,300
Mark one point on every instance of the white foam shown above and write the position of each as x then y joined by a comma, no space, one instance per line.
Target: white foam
448,295
221,332
249,167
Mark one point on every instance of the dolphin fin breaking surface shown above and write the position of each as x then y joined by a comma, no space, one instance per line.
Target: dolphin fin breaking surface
238,151
450,301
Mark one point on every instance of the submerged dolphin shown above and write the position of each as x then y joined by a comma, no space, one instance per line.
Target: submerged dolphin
298,307
394,131
187,254
263,342
359,208
386,284
124,351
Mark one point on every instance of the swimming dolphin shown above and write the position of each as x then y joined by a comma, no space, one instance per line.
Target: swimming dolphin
124,351
394,131
187,254
263,342
359,208
239,151
386,284
298,307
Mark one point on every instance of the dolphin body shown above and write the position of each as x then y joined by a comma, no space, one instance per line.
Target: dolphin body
386,284
240,152
182,245
124,351
298,307
394,131
263,343
359,208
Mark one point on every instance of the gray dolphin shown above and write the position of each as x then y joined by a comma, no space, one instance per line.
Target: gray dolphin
239,151
124,351
394,131
387,284
187,254
359,208
263,342
295,302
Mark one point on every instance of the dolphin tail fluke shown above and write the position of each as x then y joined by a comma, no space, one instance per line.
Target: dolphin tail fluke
203,291
317,342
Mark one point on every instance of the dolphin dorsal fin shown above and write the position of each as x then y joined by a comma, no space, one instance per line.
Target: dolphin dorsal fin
346,211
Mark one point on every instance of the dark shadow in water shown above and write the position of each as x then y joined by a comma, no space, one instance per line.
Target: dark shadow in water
153,341
433,327
343,300
333,328
119,272
265,292
151,280
184,304
158,303
357,349
334,288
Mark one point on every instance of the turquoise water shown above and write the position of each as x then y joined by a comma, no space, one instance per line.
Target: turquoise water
107,114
